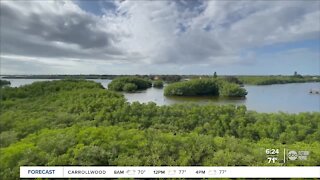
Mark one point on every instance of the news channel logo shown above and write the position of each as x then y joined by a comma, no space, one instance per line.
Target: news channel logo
297,155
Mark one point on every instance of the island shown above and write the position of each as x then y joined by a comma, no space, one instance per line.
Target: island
158,84
205,87
4,83
129,84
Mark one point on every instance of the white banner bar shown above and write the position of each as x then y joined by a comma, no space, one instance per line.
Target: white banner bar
168,172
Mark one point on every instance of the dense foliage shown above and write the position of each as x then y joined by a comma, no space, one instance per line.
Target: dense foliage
130,87
158,84
80,123
129,84
231,90
232,79
170,78
206,86
4,82
254,80
37,89
267,80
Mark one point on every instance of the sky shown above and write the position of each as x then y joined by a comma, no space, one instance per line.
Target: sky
160,37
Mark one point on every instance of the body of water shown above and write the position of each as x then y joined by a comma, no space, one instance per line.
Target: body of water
291,98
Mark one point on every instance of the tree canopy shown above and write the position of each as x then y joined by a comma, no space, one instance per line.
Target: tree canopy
4,82
129,84
158,84
205,86
77,122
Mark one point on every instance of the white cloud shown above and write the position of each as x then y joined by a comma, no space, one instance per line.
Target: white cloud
234,27
142,33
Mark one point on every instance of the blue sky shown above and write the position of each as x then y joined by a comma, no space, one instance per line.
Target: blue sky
97,7
160,37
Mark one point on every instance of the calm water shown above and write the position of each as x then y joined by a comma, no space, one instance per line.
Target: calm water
292,98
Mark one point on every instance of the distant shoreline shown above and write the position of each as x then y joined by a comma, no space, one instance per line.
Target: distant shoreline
241,79
108,76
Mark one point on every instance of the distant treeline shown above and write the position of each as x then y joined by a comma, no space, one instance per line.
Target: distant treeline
90,76
267,80
240,79
166,78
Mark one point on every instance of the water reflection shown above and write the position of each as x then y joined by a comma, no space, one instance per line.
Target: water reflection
292,98
156,95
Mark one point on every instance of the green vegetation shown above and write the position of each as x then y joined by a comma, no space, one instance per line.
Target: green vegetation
267,80
202,87
158,84
166,78
129,84
231,90
130,87
4,83
254,80
232,79
73,122
37,89
195,87
170,78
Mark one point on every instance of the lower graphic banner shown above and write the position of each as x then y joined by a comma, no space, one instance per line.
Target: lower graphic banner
168,172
